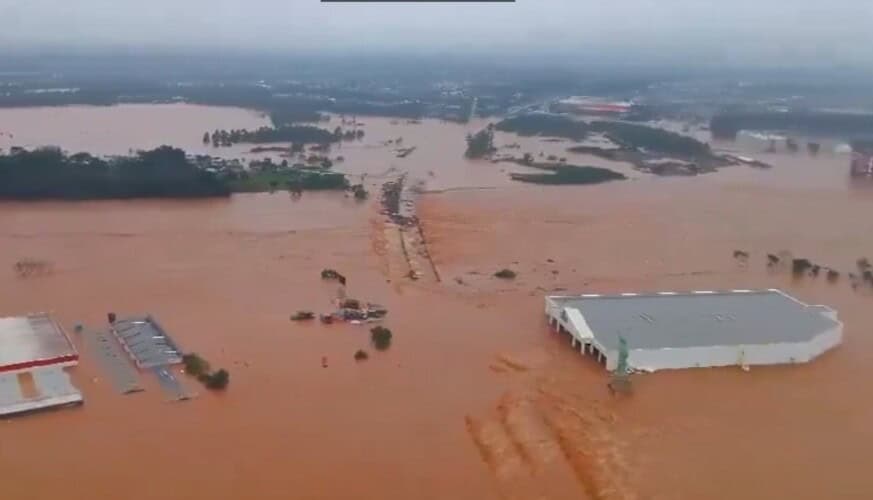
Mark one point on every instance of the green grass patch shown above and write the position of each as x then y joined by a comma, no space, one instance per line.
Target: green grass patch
300,180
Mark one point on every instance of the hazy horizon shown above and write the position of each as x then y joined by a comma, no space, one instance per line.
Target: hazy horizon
691,32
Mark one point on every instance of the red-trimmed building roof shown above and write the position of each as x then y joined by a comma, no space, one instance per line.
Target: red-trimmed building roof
32,341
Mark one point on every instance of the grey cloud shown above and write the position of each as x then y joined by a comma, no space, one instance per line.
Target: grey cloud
740,29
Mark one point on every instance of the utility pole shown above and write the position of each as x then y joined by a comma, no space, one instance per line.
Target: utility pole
620,380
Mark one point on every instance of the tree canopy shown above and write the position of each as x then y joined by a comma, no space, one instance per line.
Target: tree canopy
50,173
481,143
303,134
545,125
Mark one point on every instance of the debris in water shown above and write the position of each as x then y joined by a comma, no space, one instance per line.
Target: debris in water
506,274
302,316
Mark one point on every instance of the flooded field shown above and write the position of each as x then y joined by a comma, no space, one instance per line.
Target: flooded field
476,399
116,130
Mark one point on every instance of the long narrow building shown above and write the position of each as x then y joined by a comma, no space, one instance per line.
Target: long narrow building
703,328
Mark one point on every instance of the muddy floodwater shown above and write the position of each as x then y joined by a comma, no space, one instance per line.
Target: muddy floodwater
475,399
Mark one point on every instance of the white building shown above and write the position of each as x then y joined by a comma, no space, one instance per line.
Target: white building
696,329
35,347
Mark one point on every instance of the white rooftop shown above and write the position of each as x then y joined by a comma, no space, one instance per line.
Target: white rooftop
696,319
33,340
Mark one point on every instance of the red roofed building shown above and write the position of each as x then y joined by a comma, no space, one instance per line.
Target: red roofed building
33,341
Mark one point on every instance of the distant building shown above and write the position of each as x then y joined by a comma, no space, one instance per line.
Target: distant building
862,159
668,330
592,106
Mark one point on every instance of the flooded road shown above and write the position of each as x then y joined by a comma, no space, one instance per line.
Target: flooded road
476,398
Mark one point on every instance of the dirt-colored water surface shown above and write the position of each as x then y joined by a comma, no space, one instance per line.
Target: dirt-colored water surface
476,398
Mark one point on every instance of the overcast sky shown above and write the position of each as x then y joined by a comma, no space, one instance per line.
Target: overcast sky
729,30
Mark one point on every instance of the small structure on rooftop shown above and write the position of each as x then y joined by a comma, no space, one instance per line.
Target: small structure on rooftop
702,328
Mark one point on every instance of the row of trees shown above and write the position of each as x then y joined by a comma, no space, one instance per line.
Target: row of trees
50,173
348,135
302,134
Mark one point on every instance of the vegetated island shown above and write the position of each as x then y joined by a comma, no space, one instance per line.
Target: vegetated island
568,174
544,124
649,149
164,172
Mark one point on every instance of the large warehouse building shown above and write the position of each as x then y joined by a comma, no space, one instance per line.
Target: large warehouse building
696,329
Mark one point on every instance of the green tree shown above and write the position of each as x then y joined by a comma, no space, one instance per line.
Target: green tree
218,380
481,143
381,338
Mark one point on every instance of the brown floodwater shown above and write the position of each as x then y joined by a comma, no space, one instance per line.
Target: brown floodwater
476,398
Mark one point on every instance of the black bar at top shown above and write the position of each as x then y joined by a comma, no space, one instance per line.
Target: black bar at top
417,1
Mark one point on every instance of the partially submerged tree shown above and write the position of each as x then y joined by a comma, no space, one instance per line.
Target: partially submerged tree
506,274
217,380
361,355
195,365
302,316
527,159
330,274
480,144
359,192
381,337
800,266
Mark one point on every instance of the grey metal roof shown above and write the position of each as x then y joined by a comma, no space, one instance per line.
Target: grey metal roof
651,321
147,342
112,359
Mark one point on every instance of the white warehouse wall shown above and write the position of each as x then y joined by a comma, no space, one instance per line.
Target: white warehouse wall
761,354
